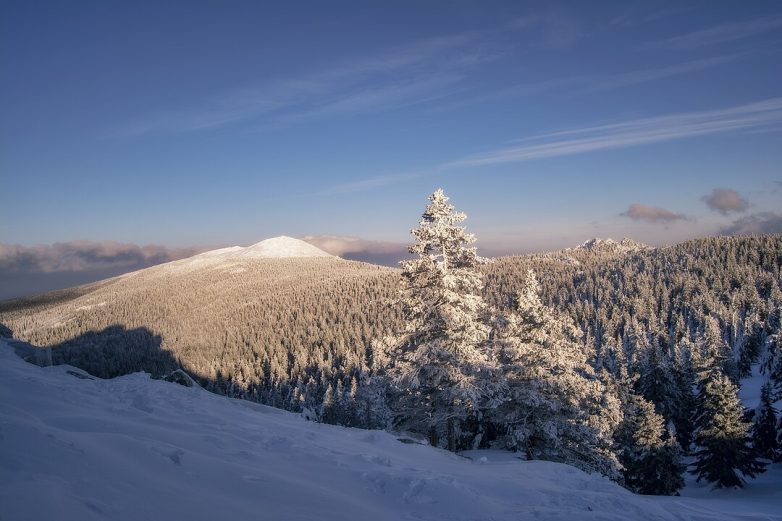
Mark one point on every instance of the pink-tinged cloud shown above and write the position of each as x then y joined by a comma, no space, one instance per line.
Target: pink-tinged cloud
355,248
756,224
84,256
652,214
725,200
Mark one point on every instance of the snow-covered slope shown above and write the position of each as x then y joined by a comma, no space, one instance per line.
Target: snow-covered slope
135,448
237,258
611,246
275,248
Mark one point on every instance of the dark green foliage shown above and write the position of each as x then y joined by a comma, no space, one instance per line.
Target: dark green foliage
656,382
651,460
5,332
764,428
724,456
749,348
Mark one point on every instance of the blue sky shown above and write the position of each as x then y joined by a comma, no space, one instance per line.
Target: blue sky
212,123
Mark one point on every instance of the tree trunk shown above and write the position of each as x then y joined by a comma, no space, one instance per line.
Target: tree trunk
451,435
433,438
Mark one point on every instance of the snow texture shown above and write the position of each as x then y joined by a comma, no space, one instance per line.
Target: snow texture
276,247
235,259
611,246
135,448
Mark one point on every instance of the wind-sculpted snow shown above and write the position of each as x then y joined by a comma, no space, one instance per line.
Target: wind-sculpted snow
135,448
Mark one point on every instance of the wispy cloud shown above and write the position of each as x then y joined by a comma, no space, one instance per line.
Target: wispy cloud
371,183
764,115
372,98
646,13
626,79
398,77
574,86
651,214
719,34
645,131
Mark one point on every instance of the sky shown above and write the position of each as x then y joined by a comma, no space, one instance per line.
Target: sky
198,124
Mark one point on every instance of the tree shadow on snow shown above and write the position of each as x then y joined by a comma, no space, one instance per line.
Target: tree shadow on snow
115,351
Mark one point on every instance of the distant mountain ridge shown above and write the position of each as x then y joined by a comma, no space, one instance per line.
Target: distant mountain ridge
611,246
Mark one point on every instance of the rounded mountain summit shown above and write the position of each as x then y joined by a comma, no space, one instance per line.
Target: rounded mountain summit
274,248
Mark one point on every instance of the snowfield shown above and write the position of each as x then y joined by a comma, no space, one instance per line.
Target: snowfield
135,448
274,248
234,258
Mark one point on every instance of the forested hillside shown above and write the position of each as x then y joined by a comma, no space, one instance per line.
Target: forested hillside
291,332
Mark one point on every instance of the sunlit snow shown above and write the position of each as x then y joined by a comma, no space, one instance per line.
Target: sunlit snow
135,448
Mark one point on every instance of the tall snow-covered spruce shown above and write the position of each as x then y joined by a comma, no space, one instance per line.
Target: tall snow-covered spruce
652,461
441,366
725,455
462,370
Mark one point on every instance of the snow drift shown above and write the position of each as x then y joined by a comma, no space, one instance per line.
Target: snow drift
135,448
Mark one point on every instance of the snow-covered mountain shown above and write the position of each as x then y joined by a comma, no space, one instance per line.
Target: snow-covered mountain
611,246
237,257
73,447
274,248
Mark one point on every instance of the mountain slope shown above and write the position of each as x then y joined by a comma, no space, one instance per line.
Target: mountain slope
281,330
232,317
274,248
135,448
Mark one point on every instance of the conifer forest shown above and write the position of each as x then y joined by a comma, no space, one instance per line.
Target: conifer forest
615,357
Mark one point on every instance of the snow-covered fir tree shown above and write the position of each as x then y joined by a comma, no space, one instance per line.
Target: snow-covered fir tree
652,459
772,363
440,365
684,379
552,405
657,382
724,455
329,410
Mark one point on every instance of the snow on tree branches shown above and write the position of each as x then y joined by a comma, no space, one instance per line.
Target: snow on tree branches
442,368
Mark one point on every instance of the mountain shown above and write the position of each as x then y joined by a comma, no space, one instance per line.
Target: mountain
280,331
611,246
274,248
234,257
256,322
77,447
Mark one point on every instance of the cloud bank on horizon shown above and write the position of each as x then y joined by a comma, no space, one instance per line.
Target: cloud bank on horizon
78,256
28,270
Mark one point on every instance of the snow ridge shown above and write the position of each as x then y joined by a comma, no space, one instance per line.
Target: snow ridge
276,247
611,246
